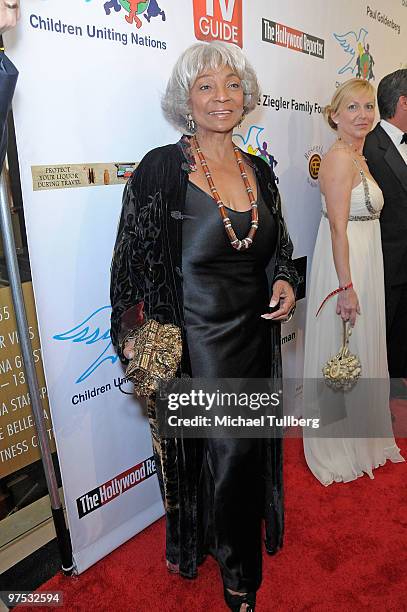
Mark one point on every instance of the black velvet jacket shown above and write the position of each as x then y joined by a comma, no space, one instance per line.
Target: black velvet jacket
147,265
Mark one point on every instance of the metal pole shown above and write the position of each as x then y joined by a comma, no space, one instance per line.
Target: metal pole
22,326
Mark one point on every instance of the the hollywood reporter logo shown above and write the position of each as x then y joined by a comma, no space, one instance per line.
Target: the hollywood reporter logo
116,486
219,20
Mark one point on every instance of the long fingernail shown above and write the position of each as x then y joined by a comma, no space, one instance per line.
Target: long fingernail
273,303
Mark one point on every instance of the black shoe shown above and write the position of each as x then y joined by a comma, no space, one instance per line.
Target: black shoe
235,601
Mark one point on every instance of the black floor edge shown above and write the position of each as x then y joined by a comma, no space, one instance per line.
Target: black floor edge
34,570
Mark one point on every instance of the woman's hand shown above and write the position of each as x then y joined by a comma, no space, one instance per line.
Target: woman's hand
348,305
128,350
283,295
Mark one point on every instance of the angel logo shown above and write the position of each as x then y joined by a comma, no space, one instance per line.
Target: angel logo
256,145
147,8
361,62
89,333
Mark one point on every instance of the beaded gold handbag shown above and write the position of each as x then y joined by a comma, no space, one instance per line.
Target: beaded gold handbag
157,355
342,371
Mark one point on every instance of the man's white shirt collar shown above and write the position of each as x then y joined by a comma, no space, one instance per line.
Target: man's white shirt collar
393,131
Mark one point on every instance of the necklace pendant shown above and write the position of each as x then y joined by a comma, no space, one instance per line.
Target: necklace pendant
239,245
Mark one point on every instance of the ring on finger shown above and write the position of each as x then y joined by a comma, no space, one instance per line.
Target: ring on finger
13,7
289,317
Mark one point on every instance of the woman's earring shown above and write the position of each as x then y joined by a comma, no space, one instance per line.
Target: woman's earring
191,125
242,118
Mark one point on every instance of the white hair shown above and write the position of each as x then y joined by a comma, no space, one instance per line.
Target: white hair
193,62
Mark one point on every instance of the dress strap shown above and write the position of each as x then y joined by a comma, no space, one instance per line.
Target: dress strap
368,201
374,214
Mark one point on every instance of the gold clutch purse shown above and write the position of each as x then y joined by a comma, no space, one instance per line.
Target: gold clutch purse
157,355
342,371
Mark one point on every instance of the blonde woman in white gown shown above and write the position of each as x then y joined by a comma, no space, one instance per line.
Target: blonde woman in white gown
348,256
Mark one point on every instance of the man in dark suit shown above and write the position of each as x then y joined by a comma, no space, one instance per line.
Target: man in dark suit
8,79
386,154
9,15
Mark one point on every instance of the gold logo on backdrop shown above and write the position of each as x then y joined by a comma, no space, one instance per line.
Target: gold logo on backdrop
18,437
68,176
314,165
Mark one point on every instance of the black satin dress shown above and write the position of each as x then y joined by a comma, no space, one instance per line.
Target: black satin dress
225,292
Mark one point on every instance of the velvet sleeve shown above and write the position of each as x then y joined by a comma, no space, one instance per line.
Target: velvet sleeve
127,269
285,268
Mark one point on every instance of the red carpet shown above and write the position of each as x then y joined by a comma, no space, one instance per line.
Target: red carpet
345,550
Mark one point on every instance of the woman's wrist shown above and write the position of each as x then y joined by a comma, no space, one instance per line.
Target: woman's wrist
340,290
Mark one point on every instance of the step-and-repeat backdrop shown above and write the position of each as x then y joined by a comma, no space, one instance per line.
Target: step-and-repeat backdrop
87,108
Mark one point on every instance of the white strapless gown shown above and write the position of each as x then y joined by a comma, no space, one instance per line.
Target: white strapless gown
337,456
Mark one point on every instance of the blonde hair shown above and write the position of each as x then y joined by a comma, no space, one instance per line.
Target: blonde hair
342,95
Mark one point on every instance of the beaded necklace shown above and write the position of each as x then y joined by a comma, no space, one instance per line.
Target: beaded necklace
237,244
349,146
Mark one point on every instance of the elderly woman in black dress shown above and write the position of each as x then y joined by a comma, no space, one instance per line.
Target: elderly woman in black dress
201,222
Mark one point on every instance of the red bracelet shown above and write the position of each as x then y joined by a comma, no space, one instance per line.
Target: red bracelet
348,286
